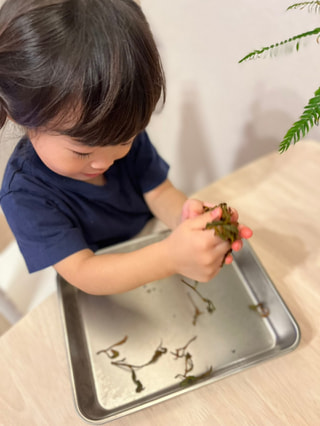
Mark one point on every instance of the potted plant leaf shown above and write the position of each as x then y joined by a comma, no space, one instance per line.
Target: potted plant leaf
311,112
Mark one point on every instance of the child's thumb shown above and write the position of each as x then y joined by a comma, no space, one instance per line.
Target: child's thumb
201,221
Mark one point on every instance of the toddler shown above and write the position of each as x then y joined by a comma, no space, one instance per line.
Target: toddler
82,78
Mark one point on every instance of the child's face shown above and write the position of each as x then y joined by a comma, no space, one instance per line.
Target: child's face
69,158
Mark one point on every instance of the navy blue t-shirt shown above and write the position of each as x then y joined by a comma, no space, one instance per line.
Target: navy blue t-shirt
53,216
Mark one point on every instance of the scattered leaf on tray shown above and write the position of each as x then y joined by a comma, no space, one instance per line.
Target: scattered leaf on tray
181,352
262,310
112,353
190,380
210,306
188,365
197,311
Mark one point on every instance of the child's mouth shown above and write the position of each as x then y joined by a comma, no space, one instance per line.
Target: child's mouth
92,175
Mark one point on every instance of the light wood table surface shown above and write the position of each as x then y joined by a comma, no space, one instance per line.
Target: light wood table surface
278,196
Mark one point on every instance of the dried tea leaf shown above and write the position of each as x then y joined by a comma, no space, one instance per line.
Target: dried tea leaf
197,311
110,352
181,352
122,364
224,228
190,380
210,306
139,385
188,362
261,309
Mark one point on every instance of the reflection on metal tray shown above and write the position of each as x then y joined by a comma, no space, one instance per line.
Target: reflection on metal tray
159,316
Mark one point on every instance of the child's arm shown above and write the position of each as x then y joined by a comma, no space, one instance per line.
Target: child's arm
166,203
189,250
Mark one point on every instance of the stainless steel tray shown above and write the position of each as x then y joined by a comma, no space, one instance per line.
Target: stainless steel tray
158,320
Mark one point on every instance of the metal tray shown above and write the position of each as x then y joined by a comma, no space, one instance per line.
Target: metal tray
159,317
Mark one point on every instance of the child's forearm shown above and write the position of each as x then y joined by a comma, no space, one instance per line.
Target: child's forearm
188,250
166,203
115,273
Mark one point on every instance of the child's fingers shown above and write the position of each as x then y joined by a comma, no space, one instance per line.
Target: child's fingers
237,245
228,259
245,232
234,215
191,208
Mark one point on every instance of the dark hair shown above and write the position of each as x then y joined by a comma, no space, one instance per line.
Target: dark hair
88,69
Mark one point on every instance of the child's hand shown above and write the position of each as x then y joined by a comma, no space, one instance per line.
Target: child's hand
193,208
195,252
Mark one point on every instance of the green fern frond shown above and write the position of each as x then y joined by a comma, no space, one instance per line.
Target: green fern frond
257,53
300,128
311,5
311,113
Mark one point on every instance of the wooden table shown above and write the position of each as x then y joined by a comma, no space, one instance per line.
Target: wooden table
279,197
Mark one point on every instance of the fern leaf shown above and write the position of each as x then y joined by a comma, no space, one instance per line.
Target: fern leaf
300,128
295,39
311,5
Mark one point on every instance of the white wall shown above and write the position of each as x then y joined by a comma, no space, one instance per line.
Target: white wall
9,136
219,114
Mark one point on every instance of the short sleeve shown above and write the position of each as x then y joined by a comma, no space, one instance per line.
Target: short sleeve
56,235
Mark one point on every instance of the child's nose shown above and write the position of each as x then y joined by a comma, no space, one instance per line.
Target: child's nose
102,164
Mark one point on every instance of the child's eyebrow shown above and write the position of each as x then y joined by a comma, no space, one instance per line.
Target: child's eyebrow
77,144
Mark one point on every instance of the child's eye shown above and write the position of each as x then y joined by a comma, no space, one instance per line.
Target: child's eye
82,154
